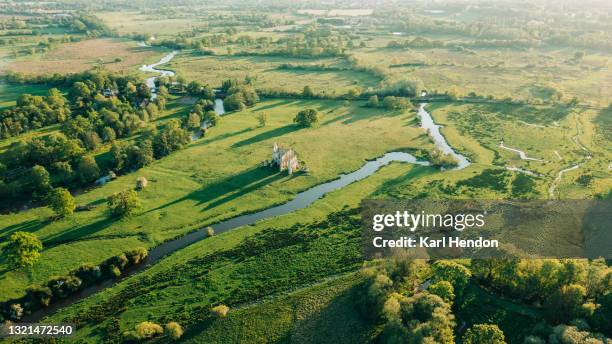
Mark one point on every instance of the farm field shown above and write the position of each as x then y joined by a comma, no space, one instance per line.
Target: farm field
112,55
204,173
269,75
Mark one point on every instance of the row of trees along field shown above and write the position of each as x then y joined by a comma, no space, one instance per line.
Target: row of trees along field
99,109
415,302
38,34
313,42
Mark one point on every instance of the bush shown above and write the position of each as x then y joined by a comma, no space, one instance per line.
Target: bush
147,330
137,255
38,296
210,231
141,183
220,311
174,330
88,273
64,286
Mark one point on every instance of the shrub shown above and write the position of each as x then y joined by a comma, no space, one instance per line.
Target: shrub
88,273
141,183
210,231
174,330
220,311
116,264
64,286
38,296
147,329
137,255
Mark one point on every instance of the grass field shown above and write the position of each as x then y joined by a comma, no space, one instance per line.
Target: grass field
267,75
247,264
10,93
497,72
111,54
215,178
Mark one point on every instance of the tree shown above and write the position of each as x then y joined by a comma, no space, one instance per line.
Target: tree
453,272
40,180
124,203
194,88
62,202
308,92
565,304
444,290
23,249
373,101
307,118
484,334
262,118
193,121
88,169
174,330
79,92
108,134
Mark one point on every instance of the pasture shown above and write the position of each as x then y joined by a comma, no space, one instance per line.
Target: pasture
214,178
268,74
111,54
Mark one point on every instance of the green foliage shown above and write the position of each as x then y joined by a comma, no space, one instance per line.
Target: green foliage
565,304
443,289
147,330
307,118
484,334
219,311
87,169
61,201
174,330
172,138
453,272
396,103
125,203
22,249
262,119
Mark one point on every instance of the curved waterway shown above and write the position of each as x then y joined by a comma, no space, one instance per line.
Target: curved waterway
301,200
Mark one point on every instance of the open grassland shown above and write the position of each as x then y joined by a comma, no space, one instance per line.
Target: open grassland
215,178
502,73
135,22
111,54
324,313
245,265
267,74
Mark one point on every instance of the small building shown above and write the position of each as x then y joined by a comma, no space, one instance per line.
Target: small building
285,159
108,93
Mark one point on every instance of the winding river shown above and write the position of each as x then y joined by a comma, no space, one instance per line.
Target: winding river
301,200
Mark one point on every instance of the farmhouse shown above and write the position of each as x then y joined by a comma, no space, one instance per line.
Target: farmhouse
285,159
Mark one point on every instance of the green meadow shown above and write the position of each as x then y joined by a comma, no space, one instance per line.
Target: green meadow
215,178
